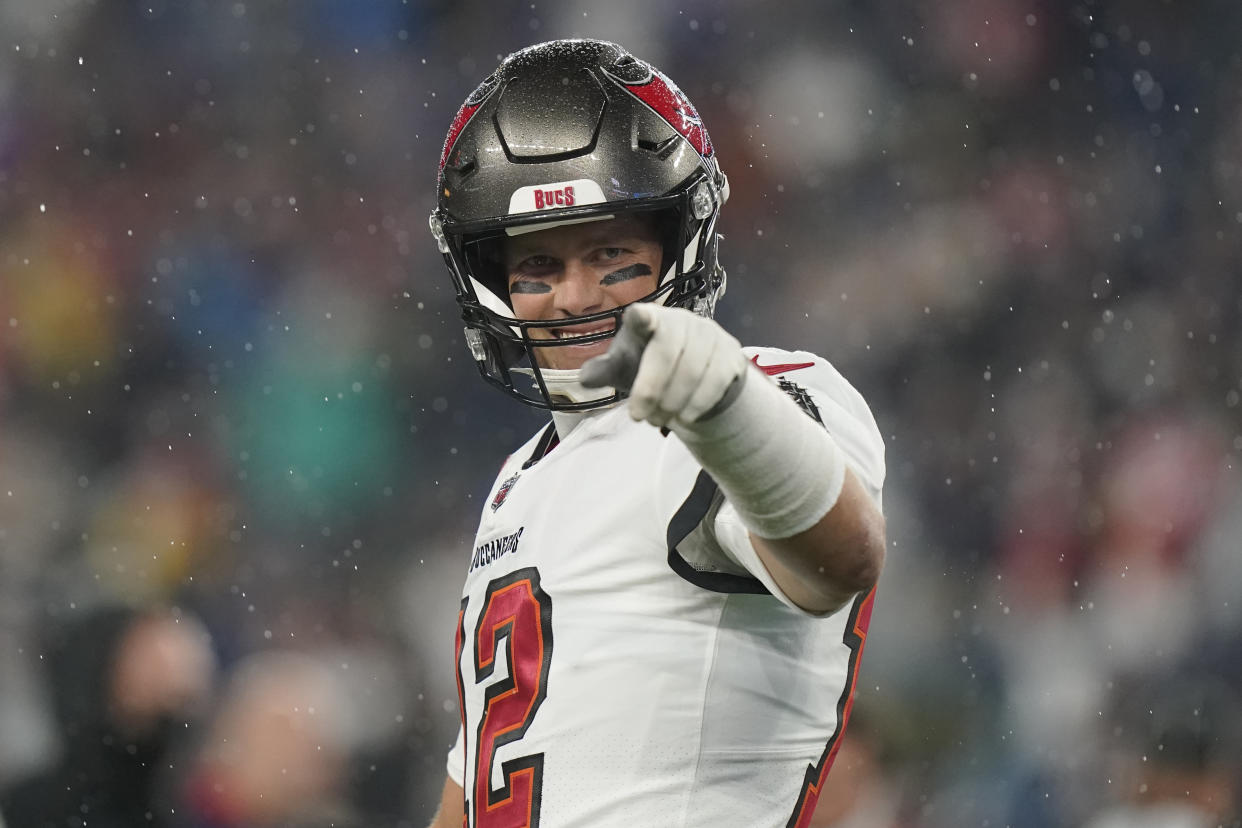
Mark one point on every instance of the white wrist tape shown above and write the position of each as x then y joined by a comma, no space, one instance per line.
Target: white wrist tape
781,470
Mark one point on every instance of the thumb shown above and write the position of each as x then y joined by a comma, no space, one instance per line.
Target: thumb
618,366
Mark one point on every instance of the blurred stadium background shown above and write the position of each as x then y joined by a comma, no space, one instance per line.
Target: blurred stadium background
232,381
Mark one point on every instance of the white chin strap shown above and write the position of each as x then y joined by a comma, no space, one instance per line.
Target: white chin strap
563,382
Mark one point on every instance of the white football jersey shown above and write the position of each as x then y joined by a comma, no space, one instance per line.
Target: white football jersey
623,657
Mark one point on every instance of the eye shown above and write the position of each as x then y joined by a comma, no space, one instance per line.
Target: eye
536,264
610,253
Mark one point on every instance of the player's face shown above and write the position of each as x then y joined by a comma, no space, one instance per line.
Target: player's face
576,270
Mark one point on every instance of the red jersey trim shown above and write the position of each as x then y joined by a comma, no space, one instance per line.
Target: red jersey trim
855,638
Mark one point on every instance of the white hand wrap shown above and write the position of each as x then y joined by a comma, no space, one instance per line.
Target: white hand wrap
779,469
675,364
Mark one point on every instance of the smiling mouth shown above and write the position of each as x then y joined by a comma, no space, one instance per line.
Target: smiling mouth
566,334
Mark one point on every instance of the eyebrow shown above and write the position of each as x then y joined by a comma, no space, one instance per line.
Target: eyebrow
519,253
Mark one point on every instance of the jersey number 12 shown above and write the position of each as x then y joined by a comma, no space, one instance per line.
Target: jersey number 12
516,609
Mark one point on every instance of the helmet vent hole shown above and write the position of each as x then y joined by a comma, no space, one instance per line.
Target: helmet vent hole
629,69
482,90
656,146
464,170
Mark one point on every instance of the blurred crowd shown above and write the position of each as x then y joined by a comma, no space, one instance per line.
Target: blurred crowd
242,444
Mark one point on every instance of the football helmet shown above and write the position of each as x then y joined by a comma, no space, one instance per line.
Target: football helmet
563,132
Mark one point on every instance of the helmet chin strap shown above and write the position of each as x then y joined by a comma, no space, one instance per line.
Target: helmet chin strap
563,382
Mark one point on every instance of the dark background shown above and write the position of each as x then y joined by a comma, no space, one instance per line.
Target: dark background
232,377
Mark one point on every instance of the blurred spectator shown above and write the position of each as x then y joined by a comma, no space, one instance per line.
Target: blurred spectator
1178,754
279,748
229,369
125,685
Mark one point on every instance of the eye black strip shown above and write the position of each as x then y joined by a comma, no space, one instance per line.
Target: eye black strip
529,286
625,274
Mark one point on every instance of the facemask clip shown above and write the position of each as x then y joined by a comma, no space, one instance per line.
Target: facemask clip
701,201
437,230
477,344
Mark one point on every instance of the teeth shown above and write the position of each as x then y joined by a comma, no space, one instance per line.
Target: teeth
578,334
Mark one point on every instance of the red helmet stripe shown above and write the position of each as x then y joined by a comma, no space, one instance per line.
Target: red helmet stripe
459,123
662,95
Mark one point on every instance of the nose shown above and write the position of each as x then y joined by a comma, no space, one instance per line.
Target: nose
579,291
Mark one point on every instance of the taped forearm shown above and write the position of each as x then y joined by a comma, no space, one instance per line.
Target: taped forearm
779,468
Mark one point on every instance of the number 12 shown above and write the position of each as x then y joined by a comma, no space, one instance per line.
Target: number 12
517,609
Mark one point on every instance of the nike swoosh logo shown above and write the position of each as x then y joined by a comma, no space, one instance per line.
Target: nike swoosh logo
773,370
